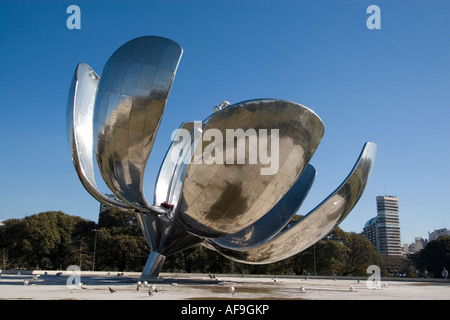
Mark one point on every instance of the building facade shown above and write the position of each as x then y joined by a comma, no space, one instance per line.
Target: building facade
418,244
438,232
370,231
384,229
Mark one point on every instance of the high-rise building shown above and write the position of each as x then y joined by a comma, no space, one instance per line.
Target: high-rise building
388,237
418,244
438,232
370,231
384,229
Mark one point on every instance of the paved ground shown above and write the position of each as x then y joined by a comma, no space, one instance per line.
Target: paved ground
50,285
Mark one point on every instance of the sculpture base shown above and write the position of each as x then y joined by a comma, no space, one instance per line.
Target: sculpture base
153,266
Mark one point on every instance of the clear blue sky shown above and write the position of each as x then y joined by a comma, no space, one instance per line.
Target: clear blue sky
390,86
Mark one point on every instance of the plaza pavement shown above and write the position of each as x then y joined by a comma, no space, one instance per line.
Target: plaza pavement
63,285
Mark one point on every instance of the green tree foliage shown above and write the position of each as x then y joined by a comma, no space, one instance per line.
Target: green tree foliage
55,240
340,253
358,253
120,244
434,257
48,240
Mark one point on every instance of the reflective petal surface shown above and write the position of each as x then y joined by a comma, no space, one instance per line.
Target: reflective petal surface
130,101
80,115
172,171
273,221
230,187
316,224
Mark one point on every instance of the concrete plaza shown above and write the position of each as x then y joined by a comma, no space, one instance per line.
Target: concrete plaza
53,285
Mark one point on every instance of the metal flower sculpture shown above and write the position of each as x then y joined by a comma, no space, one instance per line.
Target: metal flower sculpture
231,183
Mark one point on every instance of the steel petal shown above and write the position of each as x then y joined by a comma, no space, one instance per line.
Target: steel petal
130,101
272,222
171,174
80,115
316,224
224,196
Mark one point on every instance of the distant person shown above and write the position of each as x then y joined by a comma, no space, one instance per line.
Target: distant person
444,273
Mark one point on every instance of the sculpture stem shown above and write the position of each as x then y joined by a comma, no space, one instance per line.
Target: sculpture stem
153,266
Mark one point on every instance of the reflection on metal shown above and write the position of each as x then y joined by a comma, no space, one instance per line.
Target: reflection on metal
226,196
274,220
231,182
129,105
311,228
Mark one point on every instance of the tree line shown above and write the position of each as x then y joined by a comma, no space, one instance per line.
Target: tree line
54,240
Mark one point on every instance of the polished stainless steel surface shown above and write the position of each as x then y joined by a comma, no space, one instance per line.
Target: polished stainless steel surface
277,218
232,182
79,118
316,224
220,199
164,236
153,265
171,174
130,101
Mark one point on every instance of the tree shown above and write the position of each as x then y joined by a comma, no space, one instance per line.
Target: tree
11,235
55,240
434,257
43,241
340,253
120,244
361,254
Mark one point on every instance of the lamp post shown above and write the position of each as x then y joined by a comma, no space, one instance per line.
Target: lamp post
314,249
95,247
4,258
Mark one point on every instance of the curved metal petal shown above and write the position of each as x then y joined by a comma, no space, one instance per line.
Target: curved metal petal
130,101
223,194
315,225
80,115
171,174
274,220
